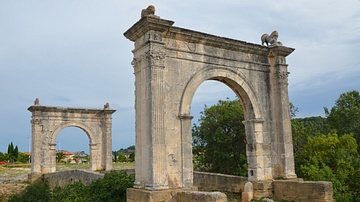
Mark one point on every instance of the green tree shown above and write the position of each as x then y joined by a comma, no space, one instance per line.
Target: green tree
344,117
115,159
16,153
293,110
60,156
219,143
2,157
23,158
10,148
13,153
302,128
333,158
132,157
122,157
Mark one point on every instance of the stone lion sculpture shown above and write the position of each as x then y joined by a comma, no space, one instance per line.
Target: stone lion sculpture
149,11
272,39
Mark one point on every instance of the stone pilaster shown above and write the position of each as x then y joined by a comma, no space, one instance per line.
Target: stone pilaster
94,159
52,160
149,67
107,139
281,136
36,139
186,151
257,151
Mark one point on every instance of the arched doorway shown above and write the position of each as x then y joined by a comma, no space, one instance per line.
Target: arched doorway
169,64
47,122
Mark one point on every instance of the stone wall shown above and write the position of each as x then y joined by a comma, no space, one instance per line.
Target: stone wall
67,177
303,191
219,182
289,190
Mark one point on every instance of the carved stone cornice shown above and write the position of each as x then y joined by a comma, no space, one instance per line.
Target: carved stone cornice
146,24
40,108
281,51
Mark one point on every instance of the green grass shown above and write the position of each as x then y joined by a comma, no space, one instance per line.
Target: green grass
86,166
14,170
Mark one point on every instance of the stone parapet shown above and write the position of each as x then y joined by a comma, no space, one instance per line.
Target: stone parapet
219,182
64,178
303,191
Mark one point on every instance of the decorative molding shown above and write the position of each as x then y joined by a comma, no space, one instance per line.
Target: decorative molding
154,36
156,58
283,77
136,63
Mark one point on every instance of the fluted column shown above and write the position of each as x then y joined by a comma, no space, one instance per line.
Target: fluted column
35,142
149,69
283,165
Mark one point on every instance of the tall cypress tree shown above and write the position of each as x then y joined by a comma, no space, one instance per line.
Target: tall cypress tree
16,153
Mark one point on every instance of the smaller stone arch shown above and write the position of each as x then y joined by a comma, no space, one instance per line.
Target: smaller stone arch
47,122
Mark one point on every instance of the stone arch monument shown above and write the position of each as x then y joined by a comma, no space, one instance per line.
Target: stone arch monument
47,122
169,65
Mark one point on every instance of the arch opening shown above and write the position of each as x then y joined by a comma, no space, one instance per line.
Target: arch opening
253,121
218,134
73,146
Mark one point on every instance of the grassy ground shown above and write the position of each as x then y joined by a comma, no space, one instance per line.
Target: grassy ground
13,178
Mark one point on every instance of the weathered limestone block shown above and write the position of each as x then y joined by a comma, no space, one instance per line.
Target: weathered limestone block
137,195
219,182
263,189
301,191
247,194
198,196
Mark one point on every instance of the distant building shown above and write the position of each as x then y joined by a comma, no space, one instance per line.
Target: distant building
68,156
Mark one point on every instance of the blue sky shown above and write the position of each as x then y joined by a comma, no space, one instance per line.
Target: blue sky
73,54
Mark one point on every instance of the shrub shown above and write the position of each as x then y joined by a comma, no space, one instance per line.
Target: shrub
112,187
39,192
